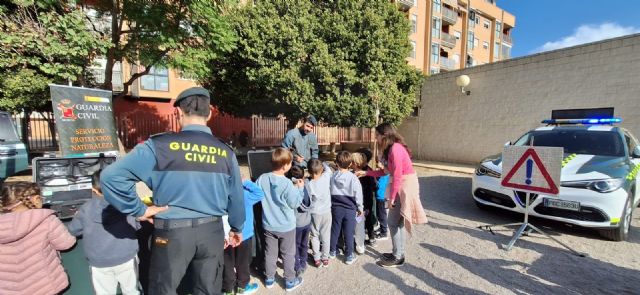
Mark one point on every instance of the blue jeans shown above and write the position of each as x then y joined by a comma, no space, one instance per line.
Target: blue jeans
302,246
381,213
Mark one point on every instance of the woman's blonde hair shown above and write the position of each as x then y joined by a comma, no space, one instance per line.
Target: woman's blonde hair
15,192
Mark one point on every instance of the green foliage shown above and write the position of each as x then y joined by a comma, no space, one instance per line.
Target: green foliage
41,43
185,34
334,59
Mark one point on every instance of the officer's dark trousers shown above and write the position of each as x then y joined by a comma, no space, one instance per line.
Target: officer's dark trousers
173,250
236,266
344,220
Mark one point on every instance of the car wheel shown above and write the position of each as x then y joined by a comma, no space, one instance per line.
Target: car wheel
622,231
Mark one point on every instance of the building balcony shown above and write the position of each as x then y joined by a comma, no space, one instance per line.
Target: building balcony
507,39
449,16
116,78
453,3
448,40
405,5
448,64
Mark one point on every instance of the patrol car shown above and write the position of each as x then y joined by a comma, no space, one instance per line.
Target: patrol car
598,186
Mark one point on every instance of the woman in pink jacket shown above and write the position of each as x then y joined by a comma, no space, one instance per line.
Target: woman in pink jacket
30,238
403,192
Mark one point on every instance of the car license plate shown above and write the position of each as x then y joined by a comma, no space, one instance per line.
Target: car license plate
567,205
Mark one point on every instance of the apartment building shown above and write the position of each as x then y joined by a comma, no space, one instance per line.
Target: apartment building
448,35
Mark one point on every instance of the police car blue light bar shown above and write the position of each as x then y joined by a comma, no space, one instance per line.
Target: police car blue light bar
583,121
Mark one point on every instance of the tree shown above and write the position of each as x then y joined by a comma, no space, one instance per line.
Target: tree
186,34
339,60
41,42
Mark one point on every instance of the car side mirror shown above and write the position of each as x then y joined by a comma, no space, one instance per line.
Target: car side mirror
636,153
508,143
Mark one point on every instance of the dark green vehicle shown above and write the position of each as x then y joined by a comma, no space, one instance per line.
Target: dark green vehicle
13,152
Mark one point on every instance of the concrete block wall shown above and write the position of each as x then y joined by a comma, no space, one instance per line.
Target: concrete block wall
511,97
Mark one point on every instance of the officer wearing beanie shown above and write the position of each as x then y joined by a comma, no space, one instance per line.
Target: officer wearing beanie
303,142
195,180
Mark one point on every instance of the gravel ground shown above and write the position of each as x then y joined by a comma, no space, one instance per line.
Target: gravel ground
450,255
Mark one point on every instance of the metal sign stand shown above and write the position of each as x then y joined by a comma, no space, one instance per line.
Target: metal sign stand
528,228
531,157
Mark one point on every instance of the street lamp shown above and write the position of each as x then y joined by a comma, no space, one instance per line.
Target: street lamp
463,81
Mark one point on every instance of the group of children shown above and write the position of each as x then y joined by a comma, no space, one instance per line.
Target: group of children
331,207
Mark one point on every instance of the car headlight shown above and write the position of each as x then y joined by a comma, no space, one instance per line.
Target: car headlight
484,170
599,185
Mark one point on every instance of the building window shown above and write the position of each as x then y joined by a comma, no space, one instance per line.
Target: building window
157,79
457,34
470,41
472,19
486,24
435,53
476,42
496,50
498,29
506,51
436,6
433,71
435,31
413,49
415,3
414,23
485,44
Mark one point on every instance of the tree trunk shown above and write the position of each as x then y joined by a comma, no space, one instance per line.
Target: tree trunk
25,128
115,41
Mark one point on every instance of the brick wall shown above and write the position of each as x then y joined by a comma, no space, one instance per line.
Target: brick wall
511,97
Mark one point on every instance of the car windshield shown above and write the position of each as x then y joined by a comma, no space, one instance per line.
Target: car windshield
601,143
7,130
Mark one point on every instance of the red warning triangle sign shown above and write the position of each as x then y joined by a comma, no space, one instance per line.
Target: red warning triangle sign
552,187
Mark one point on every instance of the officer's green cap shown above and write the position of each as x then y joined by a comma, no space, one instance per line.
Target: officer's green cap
191,92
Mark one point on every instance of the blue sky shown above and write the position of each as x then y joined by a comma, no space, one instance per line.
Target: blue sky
543,25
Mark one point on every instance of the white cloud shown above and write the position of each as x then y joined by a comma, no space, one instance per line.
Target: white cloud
589,33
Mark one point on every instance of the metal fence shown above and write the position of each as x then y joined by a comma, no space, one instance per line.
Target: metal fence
252,132
41,134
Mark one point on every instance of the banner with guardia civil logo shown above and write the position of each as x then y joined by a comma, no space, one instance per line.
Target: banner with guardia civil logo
84,120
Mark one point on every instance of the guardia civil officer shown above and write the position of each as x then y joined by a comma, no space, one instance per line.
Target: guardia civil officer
195,180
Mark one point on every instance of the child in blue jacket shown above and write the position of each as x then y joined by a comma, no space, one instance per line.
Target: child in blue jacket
237,258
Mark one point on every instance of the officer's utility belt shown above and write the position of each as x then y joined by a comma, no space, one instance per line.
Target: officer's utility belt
180,223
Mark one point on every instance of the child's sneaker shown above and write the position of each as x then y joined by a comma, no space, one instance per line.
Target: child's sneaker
250,288
269,283
332,254
382,236
317,263
293,284
351,259
300,271
371,242
360,250
325,262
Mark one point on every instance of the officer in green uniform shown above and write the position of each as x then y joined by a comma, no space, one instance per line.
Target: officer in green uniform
195,180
